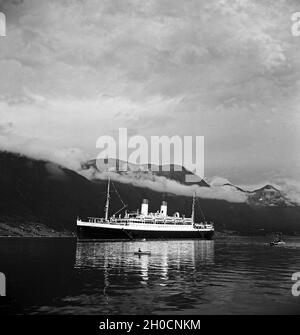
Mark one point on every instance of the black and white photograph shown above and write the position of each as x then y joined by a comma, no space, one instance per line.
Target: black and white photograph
149,160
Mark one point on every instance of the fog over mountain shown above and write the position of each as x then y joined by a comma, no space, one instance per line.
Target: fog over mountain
40,198
174,182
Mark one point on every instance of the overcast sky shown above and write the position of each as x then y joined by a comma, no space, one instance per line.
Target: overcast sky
228,70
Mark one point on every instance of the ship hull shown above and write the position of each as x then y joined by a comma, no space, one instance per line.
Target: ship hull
89,232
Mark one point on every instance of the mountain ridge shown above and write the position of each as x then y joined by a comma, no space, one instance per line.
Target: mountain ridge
180,173
42,197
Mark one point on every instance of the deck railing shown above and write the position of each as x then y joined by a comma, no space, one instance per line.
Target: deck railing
135,222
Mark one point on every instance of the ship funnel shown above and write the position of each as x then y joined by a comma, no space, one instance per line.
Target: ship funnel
164,208
144,208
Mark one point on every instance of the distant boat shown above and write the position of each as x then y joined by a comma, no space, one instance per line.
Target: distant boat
274,243
278,241
143,224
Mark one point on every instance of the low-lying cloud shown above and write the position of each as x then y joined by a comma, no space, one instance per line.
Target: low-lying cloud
71,158
163,184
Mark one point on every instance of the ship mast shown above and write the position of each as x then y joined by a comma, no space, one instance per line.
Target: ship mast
107,200
193,208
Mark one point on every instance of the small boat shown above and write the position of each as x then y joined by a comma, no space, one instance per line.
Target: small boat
277,243
142,253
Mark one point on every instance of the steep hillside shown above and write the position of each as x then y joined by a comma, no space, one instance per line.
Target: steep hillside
37,194
42,198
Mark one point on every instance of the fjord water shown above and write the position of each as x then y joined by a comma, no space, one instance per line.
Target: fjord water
223,276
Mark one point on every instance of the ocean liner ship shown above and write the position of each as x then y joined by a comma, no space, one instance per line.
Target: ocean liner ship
142,224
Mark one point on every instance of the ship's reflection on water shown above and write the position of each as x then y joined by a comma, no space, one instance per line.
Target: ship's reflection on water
142,283
52,276
167,259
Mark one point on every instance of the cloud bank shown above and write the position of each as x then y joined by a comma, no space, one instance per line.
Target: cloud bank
228,70
162,184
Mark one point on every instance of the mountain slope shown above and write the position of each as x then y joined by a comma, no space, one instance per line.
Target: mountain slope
43,194
269,196
37,192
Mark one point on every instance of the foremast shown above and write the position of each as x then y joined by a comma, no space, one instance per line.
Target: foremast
193,208
107,200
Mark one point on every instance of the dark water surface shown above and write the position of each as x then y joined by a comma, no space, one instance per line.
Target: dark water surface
228,276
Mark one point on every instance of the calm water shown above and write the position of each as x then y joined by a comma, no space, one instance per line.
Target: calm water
236,276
